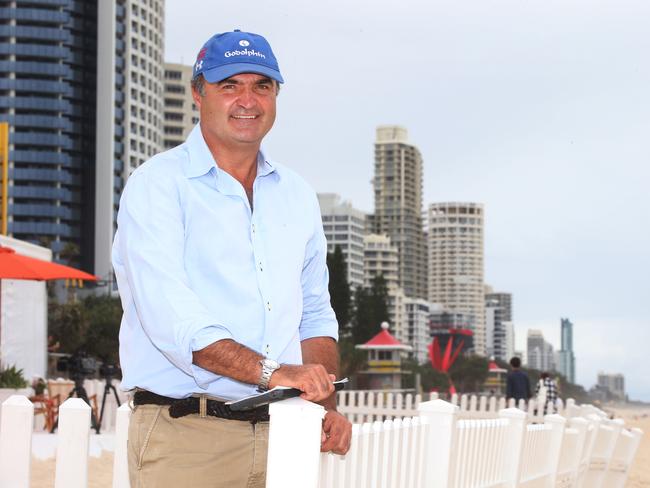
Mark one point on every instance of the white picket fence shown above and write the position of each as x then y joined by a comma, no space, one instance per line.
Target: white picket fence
440,449
361,406
435,448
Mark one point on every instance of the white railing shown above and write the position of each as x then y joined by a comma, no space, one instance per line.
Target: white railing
361,406
435,448
439,449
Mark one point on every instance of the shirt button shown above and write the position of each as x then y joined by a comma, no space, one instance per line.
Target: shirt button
253,227
261,266
268,305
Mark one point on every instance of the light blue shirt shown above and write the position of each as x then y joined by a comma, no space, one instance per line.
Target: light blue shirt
195,265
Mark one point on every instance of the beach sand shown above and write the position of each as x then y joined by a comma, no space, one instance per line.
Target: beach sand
637,417
100,472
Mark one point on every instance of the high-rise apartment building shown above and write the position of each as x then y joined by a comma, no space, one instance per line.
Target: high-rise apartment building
181,114
613,383
566,358
504,300
456,263
381,258
499,332
130,108
47,95
418,327
345,227
81,88
539,352
398,205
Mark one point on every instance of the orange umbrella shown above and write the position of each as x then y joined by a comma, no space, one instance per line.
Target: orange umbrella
15,266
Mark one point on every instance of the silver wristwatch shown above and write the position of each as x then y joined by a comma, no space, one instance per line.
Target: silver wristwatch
268,367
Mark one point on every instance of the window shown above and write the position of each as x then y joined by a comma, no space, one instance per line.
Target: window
172,75
170,102
169,88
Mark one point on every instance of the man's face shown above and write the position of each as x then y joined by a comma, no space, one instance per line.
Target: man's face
239,110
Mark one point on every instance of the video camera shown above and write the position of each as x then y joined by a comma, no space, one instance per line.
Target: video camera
78,364
109,370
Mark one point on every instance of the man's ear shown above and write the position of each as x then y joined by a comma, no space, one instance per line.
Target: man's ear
196,96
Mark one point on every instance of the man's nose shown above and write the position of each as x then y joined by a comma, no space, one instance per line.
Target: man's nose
247,98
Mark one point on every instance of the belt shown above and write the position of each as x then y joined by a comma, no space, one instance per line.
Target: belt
180,407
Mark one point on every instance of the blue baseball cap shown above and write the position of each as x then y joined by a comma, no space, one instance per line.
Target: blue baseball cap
232,53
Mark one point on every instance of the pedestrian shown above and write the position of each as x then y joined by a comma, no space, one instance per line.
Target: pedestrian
220,261
517,382
546,392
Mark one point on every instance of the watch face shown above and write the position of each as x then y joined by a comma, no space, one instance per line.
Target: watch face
272,364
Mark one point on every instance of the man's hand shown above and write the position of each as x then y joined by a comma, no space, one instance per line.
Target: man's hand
312,379
337,433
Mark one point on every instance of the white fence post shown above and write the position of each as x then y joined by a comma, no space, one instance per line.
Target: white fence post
515,442
16,441
482,405
439,445
294,444
557,423
120,460
463,403
580,425
72,448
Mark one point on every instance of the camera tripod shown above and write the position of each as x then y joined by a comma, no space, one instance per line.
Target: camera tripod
108,386
80,392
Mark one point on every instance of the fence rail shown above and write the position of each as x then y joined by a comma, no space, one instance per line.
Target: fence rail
438,447
361,406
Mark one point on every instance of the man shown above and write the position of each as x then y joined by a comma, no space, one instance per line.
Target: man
517,383
220,261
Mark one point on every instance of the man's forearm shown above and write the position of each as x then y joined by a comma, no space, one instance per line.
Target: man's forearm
322,350
229,358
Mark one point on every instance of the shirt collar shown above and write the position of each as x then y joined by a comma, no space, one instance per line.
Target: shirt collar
201,160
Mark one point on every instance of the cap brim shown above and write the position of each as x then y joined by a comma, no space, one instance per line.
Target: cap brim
220,73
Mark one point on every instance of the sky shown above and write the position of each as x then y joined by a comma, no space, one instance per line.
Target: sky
538,110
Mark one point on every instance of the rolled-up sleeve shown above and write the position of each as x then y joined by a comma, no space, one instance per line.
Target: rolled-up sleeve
150,246
318,318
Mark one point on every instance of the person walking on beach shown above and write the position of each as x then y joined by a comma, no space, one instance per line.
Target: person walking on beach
220,262
517,382
546,392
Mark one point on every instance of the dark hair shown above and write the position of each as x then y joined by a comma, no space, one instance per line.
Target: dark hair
545,375
515,362
198,84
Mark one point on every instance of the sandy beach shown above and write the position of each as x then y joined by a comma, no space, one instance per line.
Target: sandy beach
100,472
100,469
637,417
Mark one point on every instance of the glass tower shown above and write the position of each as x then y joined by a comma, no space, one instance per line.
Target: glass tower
47,95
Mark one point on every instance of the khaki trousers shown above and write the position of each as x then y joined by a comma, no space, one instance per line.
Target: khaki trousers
195,452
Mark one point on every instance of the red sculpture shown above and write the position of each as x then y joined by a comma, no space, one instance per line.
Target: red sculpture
442,362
